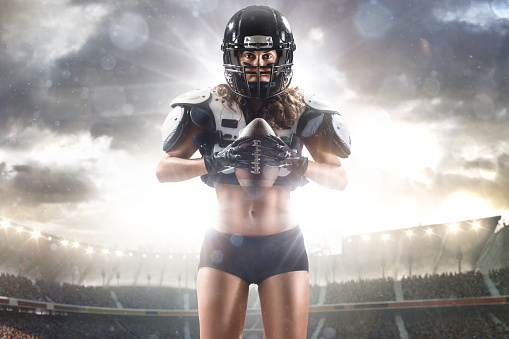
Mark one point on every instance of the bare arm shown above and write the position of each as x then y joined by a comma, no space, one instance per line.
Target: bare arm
177,166
326,169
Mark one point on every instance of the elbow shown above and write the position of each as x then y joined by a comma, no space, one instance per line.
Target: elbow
160,174
341,186
341,180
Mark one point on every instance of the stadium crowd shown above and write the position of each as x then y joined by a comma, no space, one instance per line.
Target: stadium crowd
360,324
458,322
500,278
450,322
439,286
454,322
381,289
19,287
444,286
64,293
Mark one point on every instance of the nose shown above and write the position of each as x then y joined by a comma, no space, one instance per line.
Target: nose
259,61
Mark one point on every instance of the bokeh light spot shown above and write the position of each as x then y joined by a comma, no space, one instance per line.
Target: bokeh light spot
108,62
483,107
431,86
237,240
373,19
500,8
217,257
129,31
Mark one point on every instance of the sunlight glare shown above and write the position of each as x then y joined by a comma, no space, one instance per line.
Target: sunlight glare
463,206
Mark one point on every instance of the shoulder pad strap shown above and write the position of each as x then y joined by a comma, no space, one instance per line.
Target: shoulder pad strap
191,98
174,127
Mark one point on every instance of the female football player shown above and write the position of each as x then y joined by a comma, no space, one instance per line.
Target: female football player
256,239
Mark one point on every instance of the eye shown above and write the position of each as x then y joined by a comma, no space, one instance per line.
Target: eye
248,55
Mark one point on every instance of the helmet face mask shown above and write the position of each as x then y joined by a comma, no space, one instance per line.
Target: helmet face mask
237,79
258,28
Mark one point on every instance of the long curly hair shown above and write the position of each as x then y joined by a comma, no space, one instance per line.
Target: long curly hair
280,111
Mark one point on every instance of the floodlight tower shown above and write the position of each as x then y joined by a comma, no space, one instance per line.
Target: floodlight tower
459,256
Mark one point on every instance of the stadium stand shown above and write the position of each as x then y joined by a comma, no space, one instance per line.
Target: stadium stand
454,297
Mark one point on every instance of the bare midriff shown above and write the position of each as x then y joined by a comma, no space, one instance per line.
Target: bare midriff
239,214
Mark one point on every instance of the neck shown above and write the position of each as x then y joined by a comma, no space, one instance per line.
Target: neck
255,104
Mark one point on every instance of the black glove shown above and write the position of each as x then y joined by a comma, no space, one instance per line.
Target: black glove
287,157
233,156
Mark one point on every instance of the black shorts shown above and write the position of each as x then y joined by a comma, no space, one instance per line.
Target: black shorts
254,259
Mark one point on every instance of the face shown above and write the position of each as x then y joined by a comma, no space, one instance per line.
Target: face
258,58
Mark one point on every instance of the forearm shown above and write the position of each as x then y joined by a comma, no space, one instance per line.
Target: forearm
174,169
330,176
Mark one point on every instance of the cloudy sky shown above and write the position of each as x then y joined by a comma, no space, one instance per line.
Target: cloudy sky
86,85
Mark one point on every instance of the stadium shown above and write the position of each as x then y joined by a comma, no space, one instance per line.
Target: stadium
92,245
435,280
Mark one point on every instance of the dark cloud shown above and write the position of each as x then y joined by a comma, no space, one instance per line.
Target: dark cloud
463,59
34,185
135,134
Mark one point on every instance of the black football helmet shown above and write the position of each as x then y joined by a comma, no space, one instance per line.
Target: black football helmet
258,28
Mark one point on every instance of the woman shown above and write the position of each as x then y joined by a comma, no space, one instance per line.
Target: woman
256,239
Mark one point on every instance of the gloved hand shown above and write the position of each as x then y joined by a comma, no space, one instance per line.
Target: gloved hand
287,157
230,157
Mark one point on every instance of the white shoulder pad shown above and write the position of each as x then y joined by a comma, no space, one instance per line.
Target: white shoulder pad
318,103
191,98
174,127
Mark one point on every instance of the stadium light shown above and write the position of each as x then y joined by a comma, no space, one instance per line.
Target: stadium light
453,227
6,224
76,244
119,253
105,251
20,229
476,225
90,250
64,243
429,231
36,234
366,237
157,256
409,233
386,236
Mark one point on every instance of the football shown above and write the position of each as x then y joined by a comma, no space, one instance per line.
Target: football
258,178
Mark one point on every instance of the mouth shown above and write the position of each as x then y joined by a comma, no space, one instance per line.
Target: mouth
254,78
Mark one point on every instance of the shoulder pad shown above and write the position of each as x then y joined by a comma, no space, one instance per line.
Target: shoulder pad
174,127
322,117
339,133
317,103
203,117
191,98
309,122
